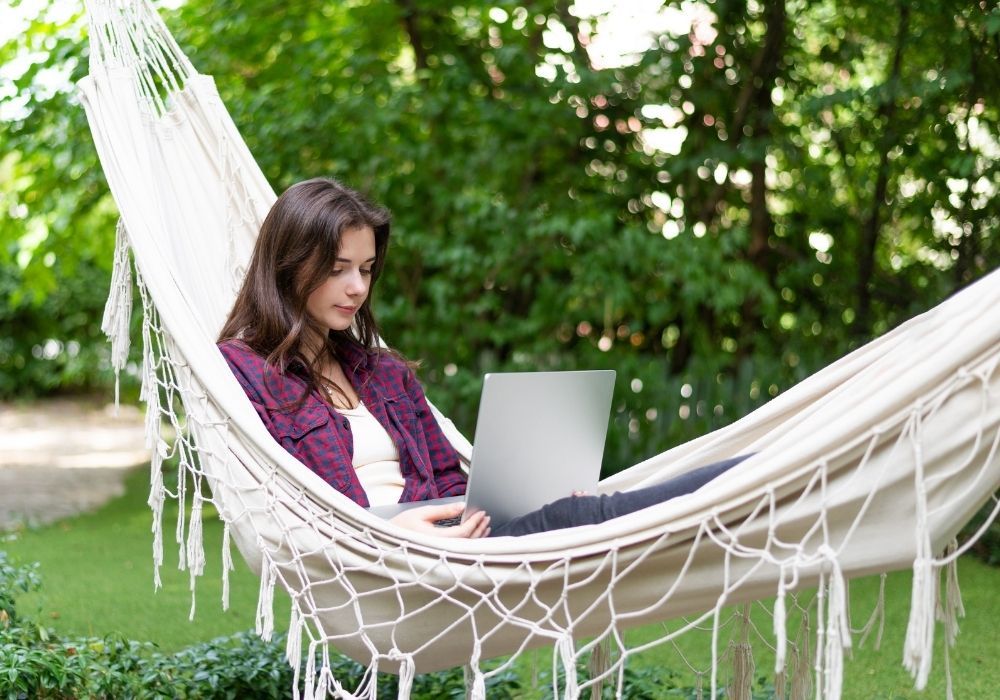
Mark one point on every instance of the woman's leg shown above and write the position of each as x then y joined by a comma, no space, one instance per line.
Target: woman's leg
589,510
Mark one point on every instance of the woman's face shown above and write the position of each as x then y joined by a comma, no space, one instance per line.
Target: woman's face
335,302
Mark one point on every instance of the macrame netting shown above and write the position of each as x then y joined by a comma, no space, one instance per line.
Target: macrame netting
871,465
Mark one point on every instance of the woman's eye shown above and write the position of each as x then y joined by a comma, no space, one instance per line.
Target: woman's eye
366,272
335,272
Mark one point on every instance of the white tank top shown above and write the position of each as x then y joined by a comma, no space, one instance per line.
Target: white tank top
376,459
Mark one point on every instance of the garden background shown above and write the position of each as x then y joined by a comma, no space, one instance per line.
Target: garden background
713,198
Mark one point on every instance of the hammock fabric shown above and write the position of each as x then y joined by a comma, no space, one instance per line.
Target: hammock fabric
871,465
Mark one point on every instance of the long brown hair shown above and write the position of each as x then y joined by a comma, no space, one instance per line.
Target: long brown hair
295,251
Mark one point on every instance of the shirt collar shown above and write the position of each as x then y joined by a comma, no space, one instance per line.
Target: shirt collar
355,360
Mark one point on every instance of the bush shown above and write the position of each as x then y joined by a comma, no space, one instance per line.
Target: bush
37,663
52,343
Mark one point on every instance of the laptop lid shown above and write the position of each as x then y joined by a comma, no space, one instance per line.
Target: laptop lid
539,437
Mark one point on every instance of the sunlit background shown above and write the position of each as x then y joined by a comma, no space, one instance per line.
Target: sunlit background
716,200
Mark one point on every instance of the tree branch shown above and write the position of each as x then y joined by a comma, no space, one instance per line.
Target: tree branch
870,230
408,16
755,93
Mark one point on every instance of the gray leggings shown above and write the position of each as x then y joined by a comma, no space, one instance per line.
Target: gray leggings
589,510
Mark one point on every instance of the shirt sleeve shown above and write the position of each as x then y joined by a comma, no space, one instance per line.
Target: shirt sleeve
449,477
249,370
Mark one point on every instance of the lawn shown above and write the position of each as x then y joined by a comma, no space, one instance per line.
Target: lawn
97,579
97,576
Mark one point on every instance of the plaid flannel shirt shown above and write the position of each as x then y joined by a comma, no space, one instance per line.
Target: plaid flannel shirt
320,438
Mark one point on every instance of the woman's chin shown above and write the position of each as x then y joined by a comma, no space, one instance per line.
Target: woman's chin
340,324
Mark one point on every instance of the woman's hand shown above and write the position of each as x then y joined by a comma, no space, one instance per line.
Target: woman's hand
422,519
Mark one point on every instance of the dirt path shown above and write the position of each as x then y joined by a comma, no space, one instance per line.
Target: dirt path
60,457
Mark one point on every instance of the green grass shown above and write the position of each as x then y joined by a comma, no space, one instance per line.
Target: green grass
870,673
97,576
97,579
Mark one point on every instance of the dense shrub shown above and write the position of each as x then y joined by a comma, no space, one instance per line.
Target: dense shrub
37,663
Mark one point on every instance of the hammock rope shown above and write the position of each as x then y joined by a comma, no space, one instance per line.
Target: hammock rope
898,437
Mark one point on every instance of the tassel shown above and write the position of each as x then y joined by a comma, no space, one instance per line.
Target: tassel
567,655
780,621
195,549
838,629
369,685
293,647
118,308
157,496
182,563
478,689
310,680
953,607
227,564
918,649
265,604
326,681
919,645
150,391
407,670
195,542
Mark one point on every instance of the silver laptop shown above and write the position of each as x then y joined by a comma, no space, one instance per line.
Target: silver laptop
539,437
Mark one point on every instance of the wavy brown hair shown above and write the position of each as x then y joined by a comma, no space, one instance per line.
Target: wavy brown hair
294,254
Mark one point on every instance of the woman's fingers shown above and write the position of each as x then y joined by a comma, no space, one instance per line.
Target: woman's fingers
424,519
435,513
475,526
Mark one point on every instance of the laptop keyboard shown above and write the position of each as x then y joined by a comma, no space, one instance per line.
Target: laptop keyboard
449,522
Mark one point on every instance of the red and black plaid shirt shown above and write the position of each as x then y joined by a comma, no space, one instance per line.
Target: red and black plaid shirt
320,438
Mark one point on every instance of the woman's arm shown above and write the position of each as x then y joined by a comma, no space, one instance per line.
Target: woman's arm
307,433
449,477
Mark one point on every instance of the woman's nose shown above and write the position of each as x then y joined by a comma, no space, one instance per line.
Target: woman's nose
356,284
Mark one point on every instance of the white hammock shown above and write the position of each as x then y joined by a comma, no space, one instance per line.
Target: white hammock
871,465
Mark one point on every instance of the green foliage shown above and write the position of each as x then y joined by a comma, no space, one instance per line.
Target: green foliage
111,667
643,683
35,662
834,178
13,581
56,216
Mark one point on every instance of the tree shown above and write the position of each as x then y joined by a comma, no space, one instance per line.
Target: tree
835,176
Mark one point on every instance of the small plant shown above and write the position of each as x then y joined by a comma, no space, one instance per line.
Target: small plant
14,579
37,663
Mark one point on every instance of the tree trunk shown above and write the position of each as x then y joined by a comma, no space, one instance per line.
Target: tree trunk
870,230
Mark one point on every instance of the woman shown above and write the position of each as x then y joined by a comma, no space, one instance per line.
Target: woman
303,343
